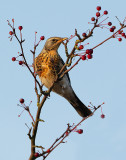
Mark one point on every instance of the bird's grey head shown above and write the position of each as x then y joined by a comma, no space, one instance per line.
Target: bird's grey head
53,43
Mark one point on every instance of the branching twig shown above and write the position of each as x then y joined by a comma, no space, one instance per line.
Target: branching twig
60,140
33,131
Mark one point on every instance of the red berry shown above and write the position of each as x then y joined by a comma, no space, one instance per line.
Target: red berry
123,34
21,100
102,116
81,47
42,38
36,154
120,32
98,8
109,23
98,14
80,131
105,12
20,28
89,56
13,59
87,51
83,57
84,34
93,19
91,51
120,39
114,27
111,29
48,150
21,62
11,33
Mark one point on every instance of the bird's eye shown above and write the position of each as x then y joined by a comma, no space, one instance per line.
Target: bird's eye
54,40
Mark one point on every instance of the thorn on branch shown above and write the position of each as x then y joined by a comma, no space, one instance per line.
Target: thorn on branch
29,133
119,20
32,51
22,40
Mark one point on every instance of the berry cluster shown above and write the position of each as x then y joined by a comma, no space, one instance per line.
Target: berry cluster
20,62
11,33
87,54
119,35
98,14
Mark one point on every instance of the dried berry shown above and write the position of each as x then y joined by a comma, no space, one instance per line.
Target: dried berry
21,100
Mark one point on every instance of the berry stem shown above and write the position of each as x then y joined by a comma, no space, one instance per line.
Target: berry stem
108,38
92,48
103,21
25,62
64,135
21,35
31,116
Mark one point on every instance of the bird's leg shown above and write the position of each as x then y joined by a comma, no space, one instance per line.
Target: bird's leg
47,93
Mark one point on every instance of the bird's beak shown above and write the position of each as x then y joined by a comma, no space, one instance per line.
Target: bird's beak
62,39
59,42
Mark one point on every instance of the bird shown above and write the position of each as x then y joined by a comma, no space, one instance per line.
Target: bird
48,65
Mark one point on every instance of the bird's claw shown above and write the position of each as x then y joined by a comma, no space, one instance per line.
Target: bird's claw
46,93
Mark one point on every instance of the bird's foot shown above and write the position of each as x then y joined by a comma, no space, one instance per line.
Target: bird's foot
46,93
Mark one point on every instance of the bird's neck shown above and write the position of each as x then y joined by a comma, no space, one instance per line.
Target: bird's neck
51,52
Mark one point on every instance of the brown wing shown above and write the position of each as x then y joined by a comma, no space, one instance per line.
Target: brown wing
62,62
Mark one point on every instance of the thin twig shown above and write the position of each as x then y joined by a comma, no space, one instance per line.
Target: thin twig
64,135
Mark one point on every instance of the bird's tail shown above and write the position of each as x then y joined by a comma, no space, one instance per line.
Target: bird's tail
82,110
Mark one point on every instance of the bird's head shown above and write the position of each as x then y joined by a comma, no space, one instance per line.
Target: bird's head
53,43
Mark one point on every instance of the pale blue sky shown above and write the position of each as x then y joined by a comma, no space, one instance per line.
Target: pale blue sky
101,79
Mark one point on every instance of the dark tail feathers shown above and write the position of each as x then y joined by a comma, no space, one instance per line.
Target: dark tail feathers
82,110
